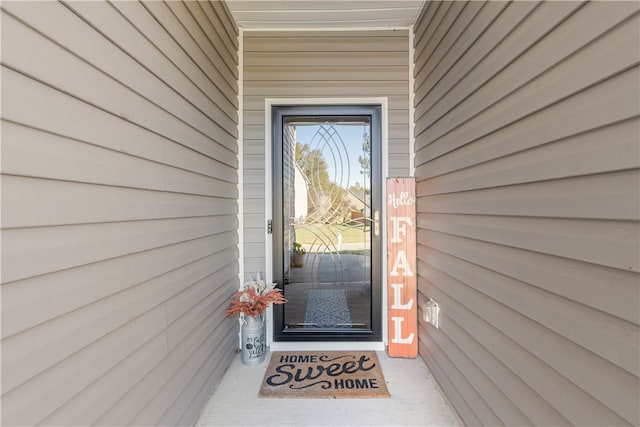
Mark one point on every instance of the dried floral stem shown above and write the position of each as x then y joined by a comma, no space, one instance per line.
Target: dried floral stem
254,298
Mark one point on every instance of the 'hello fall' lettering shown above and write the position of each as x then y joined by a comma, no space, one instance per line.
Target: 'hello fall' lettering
401,245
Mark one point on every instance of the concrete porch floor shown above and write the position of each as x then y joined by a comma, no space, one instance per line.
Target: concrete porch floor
416,400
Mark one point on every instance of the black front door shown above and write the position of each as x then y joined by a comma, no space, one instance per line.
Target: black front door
327,181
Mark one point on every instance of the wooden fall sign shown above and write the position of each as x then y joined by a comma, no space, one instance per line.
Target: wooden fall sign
401,267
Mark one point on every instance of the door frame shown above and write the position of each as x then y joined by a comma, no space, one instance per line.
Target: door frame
384,123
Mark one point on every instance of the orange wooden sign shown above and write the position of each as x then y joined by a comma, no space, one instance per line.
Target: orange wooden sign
401,267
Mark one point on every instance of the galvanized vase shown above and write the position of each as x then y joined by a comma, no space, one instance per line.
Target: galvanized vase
254,339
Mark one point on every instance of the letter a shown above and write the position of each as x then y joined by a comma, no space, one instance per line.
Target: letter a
401,262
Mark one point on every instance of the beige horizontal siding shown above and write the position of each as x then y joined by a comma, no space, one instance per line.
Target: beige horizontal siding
313,64
119,225
395,102
321,59
527,166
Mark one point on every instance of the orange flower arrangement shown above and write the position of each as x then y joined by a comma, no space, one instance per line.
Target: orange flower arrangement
254,298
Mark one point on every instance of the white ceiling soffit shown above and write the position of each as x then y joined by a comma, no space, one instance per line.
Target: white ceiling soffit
287,14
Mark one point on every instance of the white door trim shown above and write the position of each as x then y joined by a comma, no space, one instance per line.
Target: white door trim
326,345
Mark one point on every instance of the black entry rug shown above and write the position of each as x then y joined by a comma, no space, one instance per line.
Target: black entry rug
324,375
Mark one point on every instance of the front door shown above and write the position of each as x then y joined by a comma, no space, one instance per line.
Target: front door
327,182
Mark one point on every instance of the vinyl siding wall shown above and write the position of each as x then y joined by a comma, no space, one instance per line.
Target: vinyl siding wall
119,210
311,64
527,164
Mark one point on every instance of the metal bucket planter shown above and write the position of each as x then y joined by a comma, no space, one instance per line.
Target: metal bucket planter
298,260
254,339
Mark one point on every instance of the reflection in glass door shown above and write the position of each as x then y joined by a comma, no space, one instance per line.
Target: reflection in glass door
326,225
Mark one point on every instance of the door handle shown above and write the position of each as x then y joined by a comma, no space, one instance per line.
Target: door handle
376,223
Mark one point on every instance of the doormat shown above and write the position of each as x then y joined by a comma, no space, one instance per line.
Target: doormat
324,375
327,308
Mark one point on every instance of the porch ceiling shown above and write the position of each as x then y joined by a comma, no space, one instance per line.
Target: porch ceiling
288,14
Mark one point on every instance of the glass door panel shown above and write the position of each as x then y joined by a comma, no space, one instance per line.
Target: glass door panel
327,226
